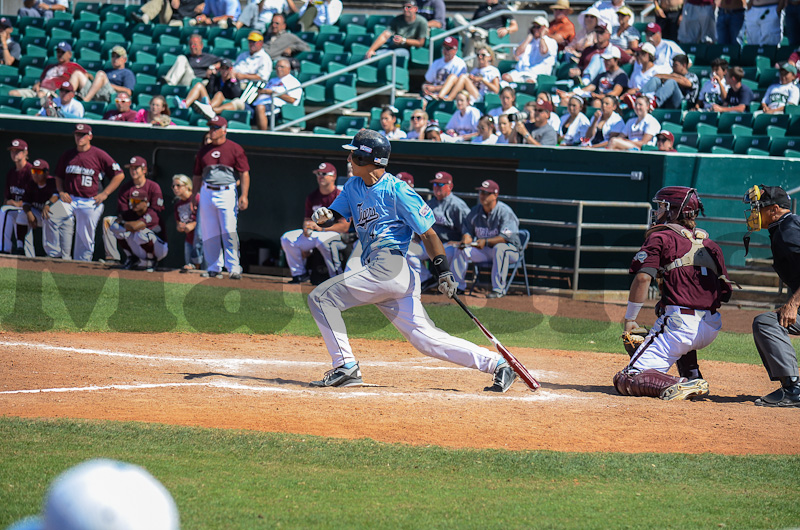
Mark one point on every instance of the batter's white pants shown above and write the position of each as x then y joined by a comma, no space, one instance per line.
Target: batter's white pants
388,282
57,234
294,243
217,210
354,261
86,214
10,217
674,334
500,256
763,25
416,255
136,239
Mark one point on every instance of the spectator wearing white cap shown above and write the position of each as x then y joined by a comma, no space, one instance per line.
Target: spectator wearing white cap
644,69
665,48
64,105
584,35
607,11
590,63
536,55
104,85
443,73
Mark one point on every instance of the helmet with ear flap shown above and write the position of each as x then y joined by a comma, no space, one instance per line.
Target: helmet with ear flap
369,147
679,202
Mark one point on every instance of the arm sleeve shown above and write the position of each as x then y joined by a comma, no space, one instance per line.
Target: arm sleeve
648,259
157,203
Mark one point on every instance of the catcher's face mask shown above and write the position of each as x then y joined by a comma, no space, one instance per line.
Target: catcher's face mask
660,215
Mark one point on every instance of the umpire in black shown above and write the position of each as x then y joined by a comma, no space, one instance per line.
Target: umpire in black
770,209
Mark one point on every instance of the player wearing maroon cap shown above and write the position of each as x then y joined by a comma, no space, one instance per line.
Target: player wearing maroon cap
296,243
17,180
693,283
217,166
38,203
137,226
79,175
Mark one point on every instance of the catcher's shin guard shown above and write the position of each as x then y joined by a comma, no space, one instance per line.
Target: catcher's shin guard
688,367
650,383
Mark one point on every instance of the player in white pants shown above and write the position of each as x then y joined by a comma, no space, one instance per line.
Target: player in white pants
144,243
42,208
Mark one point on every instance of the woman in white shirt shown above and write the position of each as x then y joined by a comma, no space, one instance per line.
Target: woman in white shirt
605,121
508,100
573,124
419,120
482,79
464,124
389,126
638,131
486,132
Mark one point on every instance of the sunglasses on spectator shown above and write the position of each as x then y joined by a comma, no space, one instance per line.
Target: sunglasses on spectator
115,56
38,171
176,185
483,55
416,117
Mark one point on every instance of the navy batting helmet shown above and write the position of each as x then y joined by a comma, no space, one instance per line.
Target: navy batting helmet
370,147
675,203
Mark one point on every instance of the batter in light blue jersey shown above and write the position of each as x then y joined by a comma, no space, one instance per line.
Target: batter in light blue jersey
387,213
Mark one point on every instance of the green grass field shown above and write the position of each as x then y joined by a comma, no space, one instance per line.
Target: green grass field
234,479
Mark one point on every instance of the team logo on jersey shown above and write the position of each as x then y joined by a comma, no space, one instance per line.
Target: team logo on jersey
424,210
640,256
365,215
216,154
160,201
116,167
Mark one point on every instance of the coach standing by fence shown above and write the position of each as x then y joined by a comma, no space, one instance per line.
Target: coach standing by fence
217,167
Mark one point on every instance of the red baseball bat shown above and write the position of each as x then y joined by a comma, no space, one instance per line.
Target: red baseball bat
517,366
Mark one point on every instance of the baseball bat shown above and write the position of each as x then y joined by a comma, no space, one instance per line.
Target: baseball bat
517,366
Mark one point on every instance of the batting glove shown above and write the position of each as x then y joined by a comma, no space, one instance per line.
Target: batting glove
447,284
322,216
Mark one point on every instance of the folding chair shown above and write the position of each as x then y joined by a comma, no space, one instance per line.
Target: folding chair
524,238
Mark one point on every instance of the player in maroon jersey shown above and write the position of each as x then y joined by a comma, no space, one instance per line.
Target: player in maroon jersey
39,204
17,180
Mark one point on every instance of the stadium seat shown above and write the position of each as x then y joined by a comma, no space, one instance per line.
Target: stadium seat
228,53
239,116
779,145
739,130
378,20
364,40
343,123
403,104
699,51
728,119
341,88
767,77
9,110
663,115
674,128
340,58
117,27
290,113
730,51
762,121
706,143
163,29
357,19
687,139
685,149
741,144
791,153
323,130
169,90
750,52
692,118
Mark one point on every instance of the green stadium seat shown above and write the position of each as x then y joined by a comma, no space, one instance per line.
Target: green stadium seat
29,60
355,29
738,130
762,121
11,101
143,100
169,40
441,117
307,67
341,88
343,123
85,34
420,57
753,151
701,71
31,103
143,57
359,52
164,29
332,47
664,115
145,79
9,110
113,17
356,19
97,107
767,77
378,20
351,39
780,145
782,53
187,31
442,106
308,36
750,52
290,113
692,118
741,144
87,54
34,40
169,90
674,128
322,38
141,38
522,99
705,128
494,40
731,51
791,153
323,130
79,25
699,50
403,104
240,116
167,58
341,58
86,15
706,143
328,29
58,23
685,149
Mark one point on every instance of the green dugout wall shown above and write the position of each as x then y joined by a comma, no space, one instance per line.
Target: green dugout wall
282,165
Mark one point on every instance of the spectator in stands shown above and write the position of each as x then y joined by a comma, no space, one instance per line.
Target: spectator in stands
443,73
794,58
612,82
463,125
63,106
404,32
605,123
791,21
477,34
10,48
419,121
562,30
434,12
222,13
280,42
736,96
433,132
625,36
668,17
607,11
253,64
665,49
730,19
389,126
762,22
42,8
535,56
554,121
221,86
124,111
698,22
781,94
485,77
317,13
158,114
537,130
508,100
668,91
197,64
258,14
574,123
638,131
665,141
505,128
644,70
107,84
53,75
281,90
584,36
590,63
170,12
186,219
486,131
713,90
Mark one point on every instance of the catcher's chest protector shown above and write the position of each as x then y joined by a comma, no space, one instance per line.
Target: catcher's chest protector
697,256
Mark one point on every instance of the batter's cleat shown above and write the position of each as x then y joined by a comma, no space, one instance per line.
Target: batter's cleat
341,377
686,390
495,294
788,395
302,278
235,276
210,274
504,377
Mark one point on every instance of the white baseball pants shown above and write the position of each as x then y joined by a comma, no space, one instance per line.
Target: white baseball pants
217,211
10,218
109,238
388,282
86,214
57,232
139,238
294,243
500,256
678,331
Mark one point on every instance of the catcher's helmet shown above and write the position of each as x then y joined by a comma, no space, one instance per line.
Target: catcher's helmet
676,203
370,147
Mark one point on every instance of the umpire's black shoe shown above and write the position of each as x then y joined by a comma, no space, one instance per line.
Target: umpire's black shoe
788,395
504,377
302,278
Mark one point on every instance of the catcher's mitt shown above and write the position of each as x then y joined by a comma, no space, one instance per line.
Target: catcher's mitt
632,339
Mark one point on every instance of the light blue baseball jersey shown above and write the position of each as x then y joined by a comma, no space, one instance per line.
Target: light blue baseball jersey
386,215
